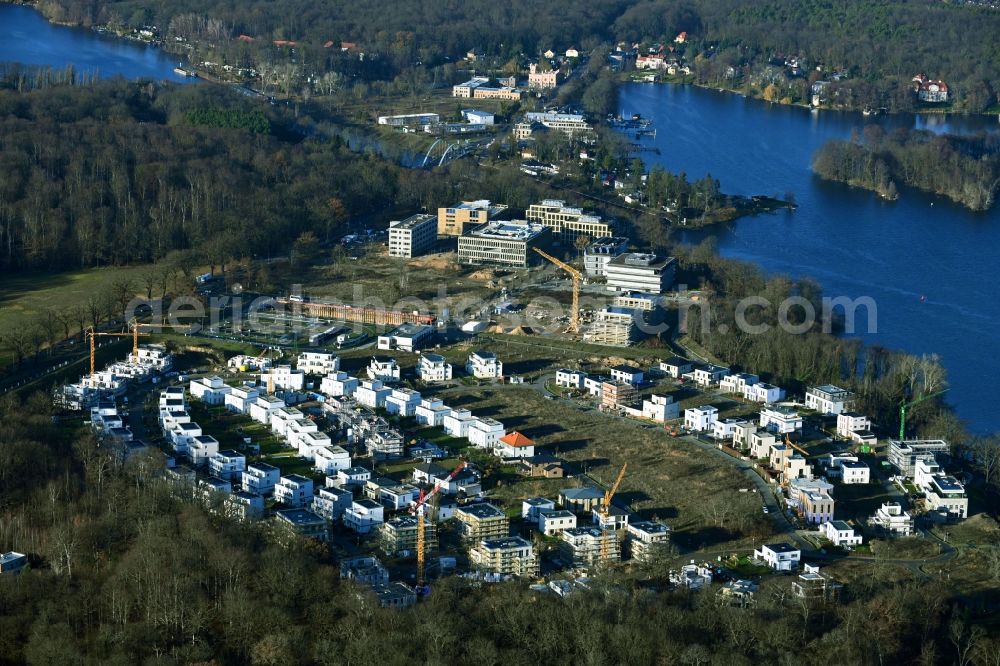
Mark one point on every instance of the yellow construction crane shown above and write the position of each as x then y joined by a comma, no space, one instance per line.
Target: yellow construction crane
135,326
788,441
605,513
92,335
574,321
418,510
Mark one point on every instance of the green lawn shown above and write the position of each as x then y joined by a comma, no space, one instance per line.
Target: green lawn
24,297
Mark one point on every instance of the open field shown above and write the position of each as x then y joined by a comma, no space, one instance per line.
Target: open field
667,479
26,297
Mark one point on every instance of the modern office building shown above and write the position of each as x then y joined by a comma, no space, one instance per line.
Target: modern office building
600,252
456,220
644,273
411,237
567,222
507,244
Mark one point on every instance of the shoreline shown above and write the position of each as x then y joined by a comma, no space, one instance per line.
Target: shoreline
689,81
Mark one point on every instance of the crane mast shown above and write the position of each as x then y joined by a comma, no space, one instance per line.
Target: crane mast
574,321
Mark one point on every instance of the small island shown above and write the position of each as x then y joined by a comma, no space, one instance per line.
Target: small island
966,169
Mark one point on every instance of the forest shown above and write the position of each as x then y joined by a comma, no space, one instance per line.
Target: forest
966,169
126,569
874,47
122,172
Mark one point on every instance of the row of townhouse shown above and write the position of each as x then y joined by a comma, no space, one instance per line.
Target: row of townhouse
779,419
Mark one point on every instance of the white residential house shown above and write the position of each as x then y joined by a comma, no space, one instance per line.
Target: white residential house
847,469
892,520
406,337
282,418
294,490
457,423
553,521
383,369
351,477
780,419
318,363
628,374
828,399
779,556
170,395
330,503
154,356
228,465
260,478
660,408
761,443
530,508
515,445
433,368
594,386
676,367
850,423
485,433
284,377
431,412
240,398
182,435
571,379
942,492
763,392
328,459
364,516
726,430
245,506
709,375
737,383
308,442
201,448
840,533
372,393
265,405
402,401
210,390
700,419
484,365
338,384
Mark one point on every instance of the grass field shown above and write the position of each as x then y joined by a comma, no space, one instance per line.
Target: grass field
25,296
666,479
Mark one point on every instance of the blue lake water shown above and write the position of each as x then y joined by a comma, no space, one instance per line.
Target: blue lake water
26,37
850,241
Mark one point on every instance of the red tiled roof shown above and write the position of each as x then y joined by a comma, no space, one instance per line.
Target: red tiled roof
517,440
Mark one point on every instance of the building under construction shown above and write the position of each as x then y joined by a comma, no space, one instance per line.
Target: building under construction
482,521
376,316
399,535
615,327
588,546
618,394
508,556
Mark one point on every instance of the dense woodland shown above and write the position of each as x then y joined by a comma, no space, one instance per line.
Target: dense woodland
965,169
124,571
123,172
876,46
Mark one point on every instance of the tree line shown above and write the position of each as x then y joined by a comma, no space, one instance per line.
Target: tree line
966,169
